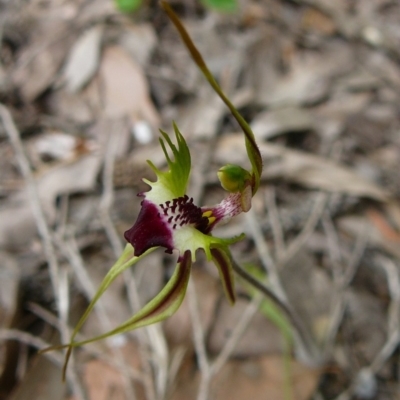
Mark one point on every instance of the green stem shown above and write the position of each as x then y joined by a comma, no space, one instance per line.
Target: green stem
308,343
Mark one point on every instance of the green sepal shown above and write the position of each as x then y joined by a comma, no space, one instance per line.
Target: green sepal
253,152
161,307
222,259
171,184
126,260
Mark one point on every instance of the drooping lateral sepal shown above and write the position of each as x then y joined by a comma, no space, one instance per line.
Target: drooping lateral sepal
253,152
222,259
126,260
161,307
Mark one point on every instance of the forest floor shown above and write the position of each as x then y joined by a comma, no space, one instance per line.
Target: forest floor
83,92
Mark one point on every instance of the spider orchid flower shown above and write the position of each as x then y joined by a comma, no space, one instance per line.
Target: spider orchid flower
169,219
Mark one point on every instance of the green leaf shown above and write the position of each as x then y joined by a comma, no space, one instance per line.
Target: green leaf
221,5
253,152
128,6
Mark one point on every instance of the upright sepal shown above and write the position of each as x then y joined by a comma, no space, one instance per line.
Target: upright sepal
253,152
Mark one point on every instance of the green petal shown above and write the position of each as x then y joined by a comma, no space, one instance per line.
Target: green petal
223,261
253,152
172,183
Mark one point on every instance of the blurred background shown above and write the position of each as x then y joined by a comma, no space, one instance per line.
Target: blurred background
84,88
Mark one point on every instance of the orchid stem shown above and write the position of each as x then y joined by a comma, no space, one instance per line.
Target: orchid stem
312,353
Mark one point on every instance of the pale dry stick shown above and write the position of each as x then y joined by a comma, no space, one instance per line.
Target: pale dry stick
273,214
177,358
340,299
69,248
334,251
237,332
156,340
265,255
107,197
198,335
30,340
37,343
43,228
62,216
305,346
34,199
393,339
393,281
292,249
48,317
342,280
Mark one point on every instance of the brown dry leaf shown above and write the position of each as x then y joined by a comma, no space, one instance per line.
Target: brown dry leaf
302,168
378,231
201,118
315,20
125,88
75,176
83,59
17,222
276,122
139,41
263,378
308,77
39,62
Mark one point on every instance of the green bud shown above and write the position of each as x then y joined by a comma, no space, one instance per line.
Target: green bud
233,178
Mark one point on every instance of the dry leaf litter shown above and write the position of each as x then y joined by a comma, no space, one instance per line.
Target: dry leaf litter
83,91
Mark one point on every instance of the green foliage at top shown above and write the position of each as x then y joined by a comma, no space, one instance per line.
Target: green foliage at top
253,152
221,5
128,6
